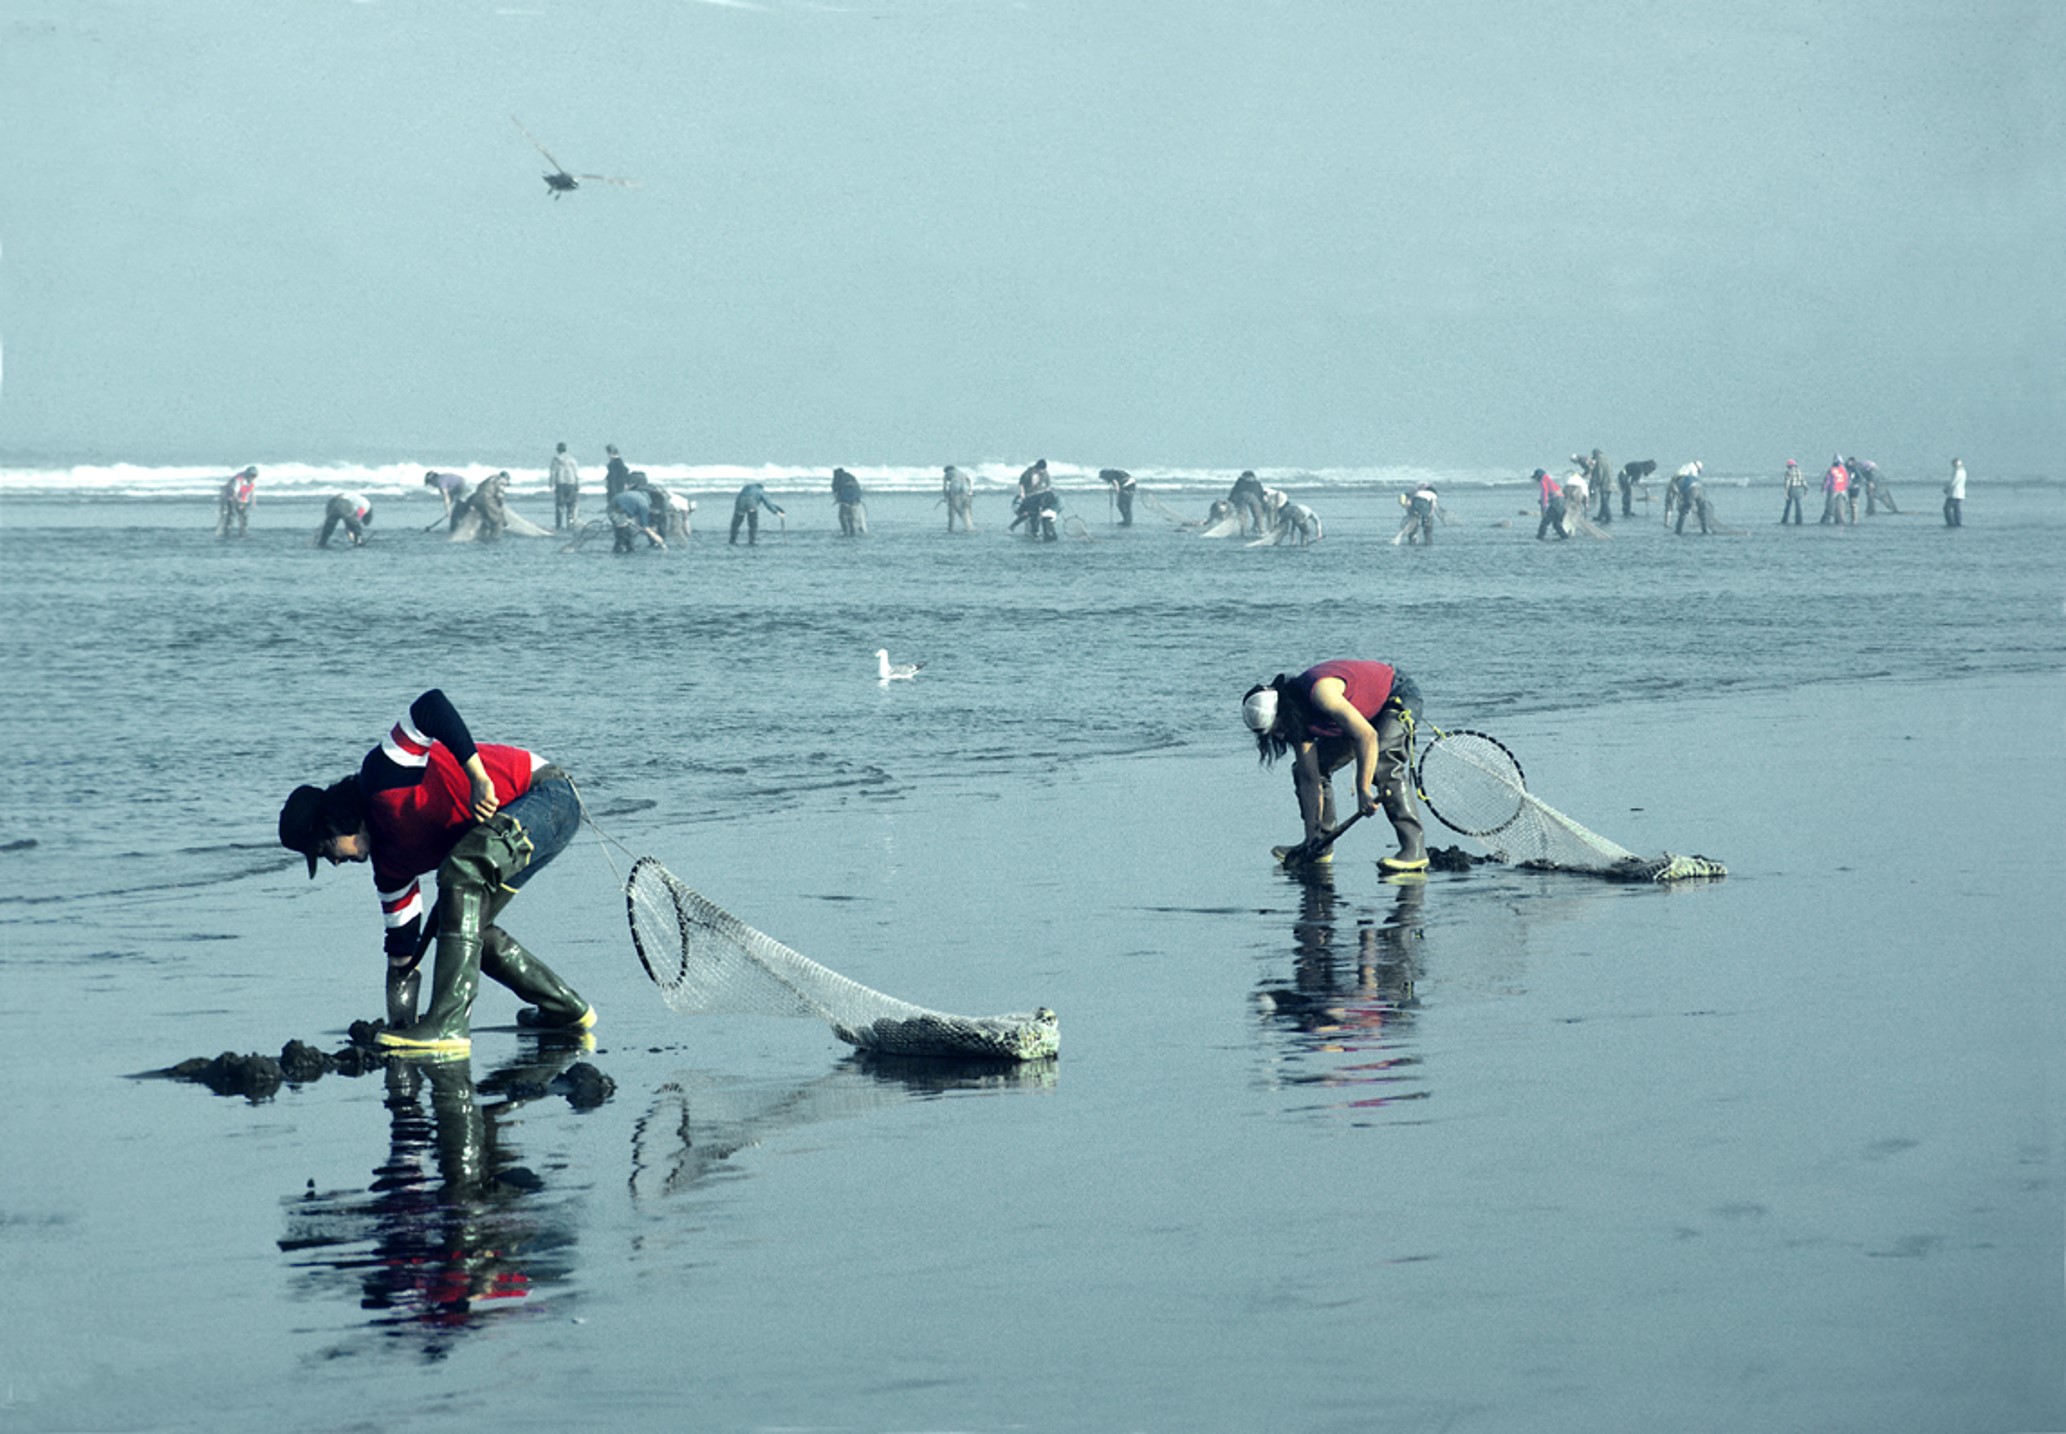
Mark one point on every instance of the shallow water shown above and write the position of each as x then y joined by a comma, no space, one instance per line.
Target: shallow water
1496,1151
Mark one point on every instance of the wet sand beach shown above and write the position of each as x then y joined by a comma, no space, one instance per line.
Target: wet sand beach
1496,1150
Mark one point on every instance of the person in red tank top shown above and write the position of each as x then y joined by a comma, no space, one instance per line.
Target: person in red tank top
1328,716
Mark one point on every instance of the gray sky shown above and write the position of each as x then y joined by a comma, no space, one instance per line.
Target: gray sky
909,231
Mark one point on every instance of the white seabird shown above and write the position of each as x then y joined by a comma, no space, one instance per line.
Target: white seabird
887,671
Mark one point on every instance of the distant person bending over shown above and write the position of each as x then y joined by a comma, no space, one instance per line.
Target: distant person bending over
566,489
1796,485
846,492
1675,492
1693,499
490,508
1298,524
672,512
959,494
1576,495
1632,476
1034,479
1122,485
453,489
1247,497
1865,474
1955,495
233,502
1420,514
631,514
350,509
746,509
485,819
1274,501
1038,510
1329,716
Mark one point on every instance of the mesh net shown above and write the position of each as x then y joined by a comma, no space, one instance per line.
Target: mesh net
1475,786
706,960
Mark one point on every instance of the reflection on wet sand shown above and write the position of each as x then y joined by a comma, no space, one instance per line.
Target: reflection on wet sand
453,1227
1348,1013
700,1119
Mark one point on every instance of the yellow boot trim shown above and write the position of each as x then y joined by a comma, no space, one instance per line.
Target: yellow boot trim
394,1040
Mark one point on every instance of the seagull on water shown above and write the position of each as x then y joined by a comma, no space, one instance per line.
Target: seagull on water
887,671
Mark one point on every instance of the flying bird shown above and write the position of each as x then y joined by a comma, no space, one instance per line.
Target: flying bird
887,671
560,181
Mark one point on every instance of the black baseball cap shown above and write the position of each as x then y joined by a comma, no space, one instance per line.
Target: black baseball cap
312,815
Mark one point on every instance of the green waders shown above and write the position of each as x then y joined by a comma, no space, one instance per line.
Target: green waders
472,890
1394,782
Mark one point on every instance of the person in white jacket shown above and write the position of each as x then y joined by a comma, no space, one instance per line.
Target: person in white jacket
566,489
1955,495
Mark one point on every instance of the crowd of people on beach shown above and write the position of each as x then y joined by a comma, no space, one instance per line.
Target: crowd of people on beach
1580,503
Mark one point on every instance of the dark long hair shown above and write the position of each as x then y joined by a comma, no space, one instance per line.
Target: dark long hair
1271,745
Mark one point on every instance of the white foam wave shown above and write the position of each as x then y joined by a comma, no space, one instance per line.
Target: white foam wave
90,481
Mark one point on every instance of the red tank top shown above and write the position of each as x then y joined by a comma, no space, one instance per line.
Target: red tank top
1366,686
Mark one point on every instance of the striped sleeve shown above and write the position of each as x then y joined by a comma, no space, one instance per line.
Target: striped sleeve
430,718
401,912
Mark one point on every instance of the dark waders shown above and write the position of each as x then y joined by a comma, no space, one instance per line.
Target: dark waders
484,871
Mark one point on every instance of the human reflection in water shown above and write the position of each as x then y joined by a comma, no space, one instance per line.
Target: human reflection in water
1348,1013
453,1228
699,1119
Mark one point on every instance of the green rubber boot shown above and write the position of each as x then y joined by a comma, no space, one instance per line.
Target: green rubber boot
447,1028
1413,852
553,1004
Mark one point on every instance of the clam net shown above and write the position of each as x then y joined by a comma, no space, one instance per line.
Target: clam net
1475,786
706,960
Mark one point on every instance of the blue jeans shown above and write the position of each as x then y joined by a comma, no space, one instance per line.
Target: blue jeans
550,814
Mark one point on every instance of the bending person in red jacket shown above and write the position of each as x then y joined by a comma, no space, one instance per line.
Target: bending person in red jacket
1333,714
485,819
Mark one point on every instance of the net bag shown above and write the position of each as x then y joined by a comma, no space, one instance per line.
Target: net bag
706,960
1474,785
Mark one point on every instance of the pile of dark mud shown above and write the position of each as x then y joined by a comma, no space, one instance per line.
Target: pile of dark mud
1453,858
257,1077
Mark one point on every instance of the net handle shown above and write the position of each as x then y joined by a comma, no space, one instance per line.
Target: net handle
1306,850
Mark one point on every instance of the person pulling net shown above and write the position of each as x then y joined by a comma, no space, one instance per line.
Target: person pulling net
1475,786
707,961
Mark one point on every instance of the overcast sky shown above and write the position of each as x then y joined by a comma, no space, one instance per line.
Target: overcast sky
1115,231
